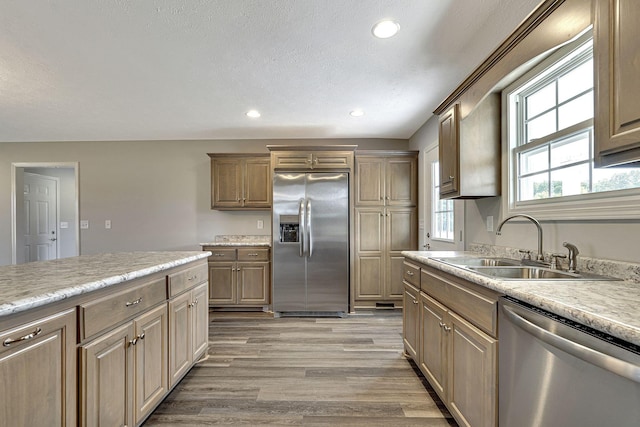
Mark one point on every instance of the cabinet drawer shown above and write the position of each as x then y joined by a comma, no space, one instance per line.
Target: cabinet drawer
186,279
477,305
103,313
411,274
250,254
226,254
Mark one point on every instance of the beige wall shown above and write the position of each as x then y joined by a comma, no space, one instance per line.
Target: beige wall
156,193
610,239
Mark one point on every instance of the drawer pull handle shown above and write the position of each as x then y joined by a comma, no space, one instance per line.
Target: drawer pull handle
409,273
218,254
9,341
252,254
136,302
195,276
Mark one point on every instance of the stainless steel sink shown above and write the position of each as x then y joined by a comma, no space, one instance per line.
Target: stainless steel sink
534,273
479,261
513,269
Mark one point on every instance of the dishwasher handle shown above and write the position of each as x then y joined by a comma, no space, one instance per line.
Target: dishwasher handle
605,361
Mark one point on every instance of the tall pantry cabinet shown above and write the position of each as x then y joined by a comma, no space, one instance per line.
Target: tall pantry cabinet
386,223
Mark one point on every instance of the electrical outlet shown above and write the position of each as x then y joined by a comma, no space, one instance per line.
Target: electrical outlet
260,224
490,223
107,224
84,224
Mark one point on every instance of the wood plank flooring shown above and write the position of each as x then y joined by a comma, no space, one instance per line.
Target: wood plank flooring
265,371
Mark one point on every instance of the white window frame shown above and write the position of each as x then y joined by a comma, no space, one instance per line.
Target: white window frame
435,204
620,204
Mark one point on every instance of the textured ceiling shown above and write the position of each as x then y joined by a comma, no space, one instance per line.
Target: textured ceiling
83,70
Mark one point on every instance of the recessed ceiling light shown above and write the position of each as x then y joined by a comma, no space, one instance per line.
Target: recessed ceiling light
357,113
385,29
254,114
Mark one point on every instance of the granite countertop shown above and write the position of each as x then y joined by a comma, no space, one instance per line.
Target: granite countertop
35,284
608,306
239,240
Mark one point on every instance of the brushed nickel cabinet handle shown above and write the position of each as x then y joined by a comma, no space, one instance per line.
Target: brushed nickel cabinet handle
415,301
9,341
252,254
447,328
136,302
409,273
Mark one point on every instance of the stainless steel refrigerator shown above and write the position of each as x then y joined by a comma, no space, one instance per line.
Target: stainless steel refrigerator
310,243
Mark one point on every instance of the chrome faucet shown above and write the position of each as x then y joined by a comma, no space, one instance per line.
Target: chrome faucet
573,256
540,256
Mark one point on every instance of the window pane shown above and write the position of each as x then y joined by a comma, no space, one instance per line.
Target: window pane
541,126
615,179
534,160
541,100
576,111
534,187
576,81
570,181
570,151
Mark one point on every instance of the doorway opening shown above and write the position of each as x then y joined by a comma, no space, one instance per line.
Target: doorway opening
44,211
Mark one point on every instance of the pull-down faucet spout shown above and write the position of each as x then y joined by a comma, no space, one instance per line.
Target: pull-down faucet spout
540,256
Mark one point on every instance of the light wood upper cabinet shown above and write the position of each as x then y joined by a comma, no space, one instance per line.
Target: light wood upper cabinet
386,178
311,160
240,181
617,87
469,151
38,372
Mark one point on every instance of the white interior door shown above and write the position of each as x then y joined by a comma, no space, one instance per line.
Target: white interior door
40,217
444,219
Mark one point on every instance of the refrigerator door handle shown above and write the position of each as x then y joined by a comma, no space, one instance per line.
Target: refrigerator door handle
301,225
309,230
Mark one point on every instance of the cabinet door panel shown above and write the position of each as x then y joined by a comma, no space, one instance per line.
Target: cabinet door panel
200,321
37,375
151,354
369,281
402,229
369,230
257,191
395,269
472,374
402,182
433,350
448,140
252,283
410,313
226,183
617,57
107,379
222,283
369,182
180,346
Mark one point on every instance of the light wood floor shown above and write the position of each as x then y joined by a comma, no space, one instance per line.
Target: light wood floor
304,371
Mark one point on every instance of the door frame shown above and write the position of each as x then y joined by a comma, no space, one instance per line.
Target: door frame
14,197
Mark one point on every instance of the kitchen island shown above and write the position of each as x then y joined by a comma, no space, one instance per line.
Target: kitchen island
99,339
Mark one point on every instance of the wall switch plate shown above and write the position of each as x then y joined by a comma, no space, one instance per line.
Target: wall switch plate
490,223
84,224
64,224
107,224
260,224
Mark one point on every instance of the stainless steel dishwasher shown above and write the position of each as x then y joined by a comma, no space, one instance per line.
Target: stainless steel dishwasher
555,372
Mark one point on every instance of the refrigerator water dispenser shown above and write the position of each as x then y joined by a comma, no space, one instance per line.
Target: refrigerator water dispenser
289,227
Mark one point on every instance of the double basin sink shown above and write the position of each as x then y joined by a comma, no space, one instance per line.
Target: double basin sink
512,269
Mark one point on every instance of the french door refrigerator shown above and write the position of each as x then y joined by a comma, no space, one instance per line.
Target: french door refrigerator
310,243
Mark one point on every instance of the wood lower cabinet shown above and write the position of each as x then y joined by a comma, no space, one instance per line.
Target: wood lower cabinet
239,276
188,331
457,343
381,236
38,372
240,181
124,372
410,320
